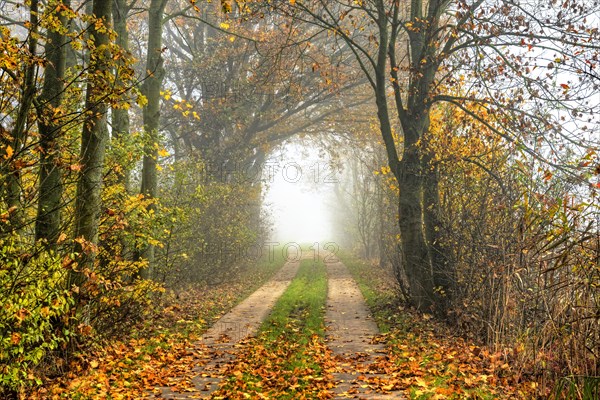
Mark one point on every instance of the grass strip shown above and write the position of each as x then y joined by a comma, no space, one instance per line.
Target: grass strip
288,358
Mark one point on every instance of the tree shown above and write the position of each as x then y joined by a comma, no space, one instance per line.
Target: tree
94,137
413,53
50,188
151,90
120,115
236,86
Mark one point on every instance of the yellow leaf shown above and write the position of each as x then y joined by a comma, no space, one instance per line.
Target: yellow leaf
163,153
224,25
167,96
9,152
141,100
534,385
421,382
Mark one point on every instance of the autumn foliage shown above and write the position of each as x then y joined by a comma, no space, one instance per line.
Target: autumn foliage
132,140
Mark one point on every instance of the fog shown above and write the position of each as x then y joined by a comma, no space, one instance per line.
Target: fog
299,193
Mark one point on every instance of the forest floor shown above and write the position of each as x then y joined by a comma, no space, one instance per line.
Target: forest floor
316,329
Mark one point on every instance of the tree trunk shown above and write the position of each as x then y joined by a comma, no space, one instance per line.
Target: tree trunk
381,219
442,267
120,116
151,89
47,226
93,144
415,255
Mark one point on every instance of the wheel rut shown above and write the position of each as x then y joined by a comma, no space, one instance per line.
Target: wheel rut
352,336
218,345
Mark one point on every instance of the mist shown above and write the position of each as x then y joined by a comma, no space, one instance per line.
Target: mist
299,193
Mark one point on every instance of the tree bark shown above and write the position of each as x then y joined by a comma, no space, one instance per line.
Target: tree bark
120,116
93,145
443,269
151,115
415,254
48,219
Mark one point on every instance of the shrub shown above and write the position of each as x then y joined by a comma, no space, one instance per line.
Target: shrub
34,316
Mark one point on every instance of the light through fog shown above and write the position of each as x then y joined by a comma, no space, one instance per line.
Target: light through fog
298,195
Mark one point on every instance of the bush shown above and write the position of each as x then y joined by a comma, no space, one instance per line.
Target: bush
35,311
